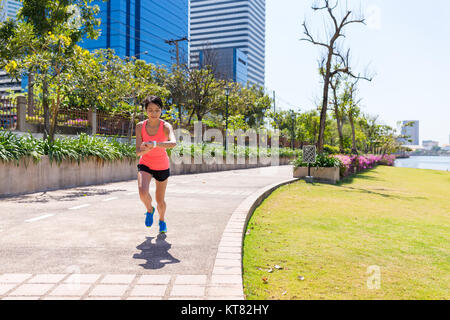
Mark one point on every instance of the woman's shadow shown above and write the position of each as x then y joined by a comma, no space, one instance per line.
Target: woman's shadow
157,254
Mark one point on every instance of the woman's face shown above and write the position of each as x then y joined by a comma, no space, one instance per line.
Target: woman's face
153,111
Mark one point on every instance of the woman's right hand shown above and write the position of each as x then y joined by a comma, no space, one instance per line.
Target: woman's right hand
146,146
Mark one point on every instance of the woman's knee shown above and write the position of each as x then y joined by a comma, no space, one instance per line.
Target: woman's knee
161,202
143,193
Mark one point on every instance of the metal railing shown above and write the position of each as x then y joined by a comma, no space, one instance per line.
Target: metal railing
8,113
113,124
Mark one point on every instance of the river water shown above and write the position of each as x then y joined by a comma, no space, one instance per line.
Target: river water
424,162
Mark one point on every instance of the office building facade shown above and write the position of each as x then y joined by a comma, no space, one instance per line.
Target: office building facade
429,144
142,29
229,64
225,24
411,131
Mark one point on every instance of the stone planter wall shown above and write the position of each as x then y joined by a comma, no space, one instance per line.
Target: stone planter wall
43,176
320,174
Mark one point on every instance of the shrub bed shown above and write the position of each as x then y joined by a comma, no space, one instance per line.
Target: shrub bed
348,164
13,148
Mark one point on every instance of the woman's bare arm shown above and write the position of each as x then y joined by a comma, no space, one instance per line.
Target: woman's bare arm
172,142
141,148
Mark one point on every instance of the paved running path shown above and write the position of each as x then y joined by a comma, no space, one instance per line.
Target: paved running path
91,242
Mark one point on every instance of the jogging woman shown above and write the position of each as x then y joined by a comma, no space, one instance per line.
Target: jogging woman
153,137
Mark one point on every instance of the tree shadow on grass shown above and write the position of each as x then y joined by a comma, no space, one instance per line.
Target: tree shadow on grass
157,253
364,175
343,183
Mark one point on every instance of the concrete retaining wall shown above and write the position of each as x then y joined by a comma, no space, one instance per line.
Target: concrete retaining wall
43,176
320,174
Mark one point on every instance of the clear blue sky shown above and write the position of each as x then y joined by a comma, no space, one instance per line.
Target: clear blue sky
406,44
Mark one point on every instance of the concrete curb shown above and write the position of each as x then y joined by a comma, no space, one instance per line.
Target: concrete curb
226,280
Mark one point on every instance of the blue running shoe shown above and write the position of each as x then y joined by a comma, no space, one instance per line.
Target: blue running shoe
149,218
162,227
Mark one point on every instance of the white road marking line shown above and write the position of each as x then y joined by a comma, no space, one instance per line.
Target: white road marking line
79,207
39,218
109,199
131,193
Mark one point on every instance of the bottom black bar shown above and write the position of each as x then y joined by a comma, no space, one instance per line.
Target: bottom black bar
210,309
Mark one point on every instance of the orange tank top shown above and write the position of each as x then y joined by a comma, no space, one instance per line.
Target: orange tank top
157,158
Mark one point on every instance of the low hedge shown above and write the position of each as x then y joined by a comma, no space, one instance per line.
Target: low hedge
13,148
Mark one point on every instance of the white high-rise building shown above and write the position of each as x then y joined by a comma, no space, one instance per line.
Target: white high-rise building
237,24
411,131
8,9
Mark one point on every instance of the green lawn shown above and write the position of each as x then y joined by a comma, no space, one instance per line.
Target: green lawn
397,219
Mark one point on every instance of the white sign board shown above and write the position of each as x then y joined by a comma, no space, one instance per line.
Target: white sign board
309,154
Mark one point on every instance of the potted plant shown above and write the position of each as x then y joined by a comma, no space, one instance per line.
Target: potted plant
326,168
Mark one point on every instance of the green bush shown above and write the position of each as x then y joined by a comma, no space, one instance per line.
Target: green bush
236,151
13,148
322,160
330,149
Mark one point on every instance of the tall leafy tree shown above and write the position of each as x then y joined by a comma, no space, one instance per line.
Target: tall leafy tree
44,42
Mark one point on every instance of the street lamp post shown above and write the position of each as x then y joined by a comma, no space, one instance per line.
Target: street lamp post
227,93
293,129
138,55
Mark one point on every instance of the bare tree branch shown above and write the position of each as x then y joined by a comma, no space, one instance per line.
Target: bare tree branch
333,53
311,39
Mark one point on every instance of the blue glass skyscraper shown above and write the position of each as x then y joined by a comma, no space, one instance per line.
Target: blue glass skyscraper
141,28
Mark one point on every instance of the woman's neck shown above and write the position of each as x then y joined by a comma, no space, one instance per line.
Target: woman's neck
153,122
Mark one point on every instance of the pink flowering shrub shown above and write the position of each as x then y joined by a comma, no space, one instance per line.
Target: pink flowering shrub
355,163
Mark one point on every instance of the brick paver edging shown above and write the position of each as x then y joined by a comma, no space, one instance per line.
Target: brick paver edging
226,280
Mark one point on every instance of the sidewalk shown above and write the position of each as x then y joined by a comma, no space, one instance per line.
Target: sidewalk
91,242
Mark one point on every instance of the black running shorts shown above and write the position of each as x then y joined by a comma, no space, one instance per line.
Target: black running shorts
159,175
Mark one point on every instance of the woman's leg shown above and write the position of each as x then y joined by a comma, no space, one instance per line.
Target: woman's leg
144,179
160,194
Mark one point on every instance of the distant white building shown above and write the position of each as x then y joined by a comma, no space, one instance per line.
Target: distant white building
411,131
413,147
429,144
445,147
